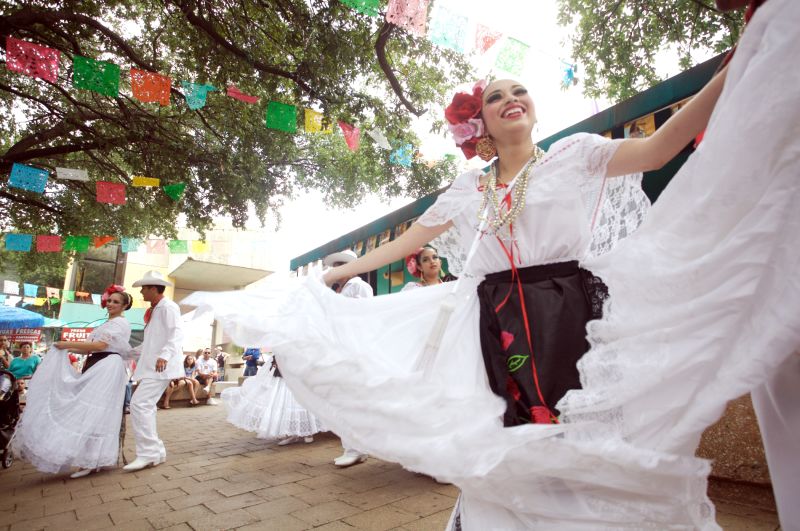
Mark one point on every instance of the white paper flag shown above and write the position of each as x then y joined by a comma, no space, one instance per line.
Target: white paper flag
12,300
72,174
379,138
10,287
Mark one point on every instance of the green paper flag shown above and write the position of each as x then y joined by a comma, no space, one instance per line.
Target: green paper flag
178,246
54,300
77,243
368,7
69,296
98,76
282,117
175,191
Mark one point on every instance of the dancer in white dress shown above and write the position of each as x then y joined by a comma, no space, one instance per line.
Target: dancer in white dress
265,406
362,365
72,419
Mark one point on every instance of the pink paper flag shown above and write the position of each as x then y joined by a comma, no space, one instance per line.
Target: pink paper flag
113,193
411,15
485,38
32,59
352,135
234,92
156,246
46,243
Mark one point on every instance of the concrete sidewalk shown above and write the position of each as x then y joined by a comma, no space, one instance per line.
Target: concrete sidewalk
219,477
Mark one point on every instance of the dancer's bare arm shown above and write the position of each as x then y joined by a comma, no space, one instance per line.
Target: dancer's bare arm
644,154
415,237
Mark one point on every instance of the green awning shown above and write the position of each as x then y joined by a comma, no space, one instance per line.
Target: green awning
82,315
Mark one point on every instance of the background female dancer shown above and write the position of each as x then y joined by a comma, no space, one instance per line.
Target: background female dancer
265,406
426,265
71,419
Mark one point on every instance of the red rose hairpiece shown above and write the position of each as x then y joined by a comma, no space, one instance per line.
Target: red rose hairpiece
411,263
464,119
113,288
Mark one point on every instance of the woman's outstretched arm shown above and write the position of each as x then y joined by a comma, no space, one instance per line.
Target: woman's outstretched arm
644,154
415,237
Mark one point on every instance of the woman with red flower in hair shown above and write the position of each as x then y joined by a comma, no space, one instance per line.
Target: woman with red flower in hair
426,265
71,419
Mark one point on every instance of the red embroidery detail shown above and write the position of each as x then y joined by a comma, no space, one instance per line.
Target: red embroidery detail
542,415
506,338
513,388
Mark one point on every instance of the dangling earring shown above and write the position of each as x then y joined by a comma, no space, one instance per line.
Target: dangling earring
486,148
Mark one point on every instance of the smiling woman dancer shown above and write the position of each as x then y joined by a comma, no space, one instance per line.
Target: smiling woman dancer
520,308
71,419
426,265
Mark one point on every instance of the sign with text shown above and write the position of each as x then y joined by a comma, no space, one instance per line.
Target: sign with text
22,334
75,334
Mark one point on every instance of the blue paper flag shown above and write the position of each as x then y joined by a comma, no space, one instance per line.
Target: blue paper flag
130,245
448,29
31,290
2,299
196,94
402,155
28,178
19,242
96,298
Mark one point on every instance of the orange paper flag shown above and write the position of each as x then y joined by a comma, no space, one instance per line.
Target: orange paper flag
150,87
100,241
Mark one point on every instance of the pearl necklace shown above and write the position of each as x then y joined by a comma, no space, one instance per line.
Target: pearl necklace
495,218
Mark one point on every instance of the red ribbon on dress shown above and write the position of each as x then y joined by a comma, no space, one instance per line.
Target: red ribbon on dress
539,414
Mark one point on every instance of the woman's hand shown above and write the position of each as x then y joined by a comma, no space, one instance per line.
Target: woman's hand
331,276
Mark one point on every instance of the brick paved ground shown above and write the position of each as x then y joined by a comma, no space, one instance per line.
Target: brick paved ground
218,477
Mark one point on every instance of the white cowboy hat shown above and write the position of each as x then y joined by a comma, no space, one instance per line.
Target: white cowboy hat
345,256
152,278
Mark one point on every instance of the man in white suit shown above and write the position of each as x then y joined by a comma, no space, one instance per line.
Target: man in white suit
355,288
160,360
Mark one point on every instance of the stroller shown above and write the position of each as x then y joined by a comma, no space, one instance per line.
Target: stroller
9,414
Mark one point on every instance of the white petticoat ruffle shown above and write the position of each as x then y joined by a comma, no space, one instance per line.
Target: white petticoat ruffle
72,419
265,406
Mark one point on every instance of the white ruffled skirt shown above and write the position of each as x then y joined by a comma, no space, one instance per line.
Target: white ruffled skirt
704,305
72,419
265,406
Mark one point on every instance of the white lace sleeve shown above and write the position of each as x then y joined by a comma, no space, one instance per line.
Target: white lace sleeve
451,244
104,332
615,206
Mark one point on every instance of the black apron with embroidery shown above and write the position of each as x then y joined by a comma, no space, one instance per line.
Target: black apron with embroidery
558,299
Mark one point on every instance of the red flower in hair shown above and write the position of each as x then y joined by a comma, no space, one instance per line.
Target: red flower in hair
465,122
411,263
113,288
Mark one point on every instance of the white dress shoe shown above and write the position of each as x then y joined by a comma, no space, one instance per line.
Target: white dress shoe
83,472
292,440
349,460
140,463
212,402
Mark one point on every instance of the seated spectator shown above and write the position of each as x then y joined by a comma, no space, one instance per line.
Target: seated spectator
251,357
190,372
207,374
5,352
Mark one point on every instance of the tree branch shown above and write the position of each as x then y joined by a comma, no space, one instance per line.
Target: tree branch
380,50
30,202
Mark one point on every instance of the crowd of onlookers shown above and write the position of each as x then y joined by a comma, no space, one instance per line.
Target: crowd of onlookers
201,370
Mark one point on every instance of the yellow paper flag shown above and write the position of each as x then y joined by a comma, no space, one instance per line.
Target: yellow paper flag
313,122
40,301
140,181
200,247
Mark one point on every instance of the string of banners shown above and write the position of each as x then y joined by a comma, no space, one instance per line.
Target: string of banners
52,243
36,295
450,29
103,77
